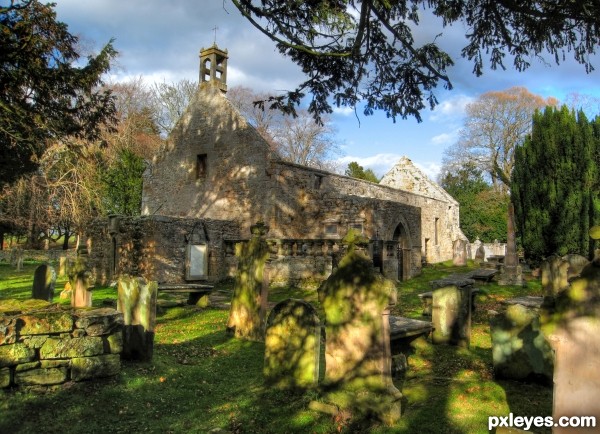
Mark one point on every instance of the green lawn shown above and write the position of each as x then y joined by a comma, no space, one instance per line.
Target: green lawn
201,379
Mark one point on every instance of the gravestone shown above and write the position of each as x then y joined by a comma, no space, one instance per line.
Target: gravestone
250,291
451,315
62,266
292,345
16,258
357,346
555,273
573,327
576,264
459,256
44,279
519,349
137,302
79,278
480,253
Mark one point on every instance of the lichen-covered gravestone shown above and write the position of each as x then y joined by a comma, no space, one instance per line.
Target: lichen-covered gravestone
44,279
79,278
357,344
480,253
576,264
555,273
459,256
573,329
519,349
137,302
248,304
292,345
451,315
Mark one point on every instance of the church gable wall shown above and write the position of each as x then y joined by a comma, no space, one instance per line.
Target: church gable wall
213,166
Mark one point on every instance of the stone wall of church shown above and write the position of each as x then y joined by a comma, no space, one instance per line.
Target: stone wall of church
155,247
306,200
214,165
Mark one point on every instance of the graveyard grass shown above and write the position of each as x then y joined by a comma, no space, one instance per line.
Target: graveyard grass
201,379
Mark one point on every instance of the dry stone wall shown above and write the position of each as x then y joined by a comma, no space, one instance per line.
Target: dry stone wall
52,345
36,255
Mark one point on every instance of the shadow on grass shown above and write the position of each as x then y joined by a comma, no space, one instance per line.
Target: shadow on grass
200,379
197,381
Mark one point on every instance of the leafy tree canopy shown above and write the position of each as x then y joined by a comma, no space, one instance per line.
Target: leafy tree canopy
367,50
483,208
43,93
355,170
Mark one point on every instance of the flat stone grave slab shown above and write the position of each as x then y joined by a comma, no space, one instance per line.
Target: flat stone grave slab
195,290
483,274
458,280
401,327
527,301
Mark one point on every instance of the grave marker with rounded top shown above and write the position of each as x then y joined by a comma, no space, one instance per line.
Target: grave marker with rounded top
292,345
44,280
356,302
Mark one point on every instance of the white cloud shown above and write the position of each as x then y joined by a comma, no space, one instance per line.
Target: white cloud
382,163
343,111
379,163
430,168
451,109
445,139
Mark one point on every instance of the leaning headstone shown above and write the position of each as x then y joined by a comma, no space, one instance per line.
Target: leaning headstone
573,327
519,349
451,315
137,302
44,279
250,291
356,303
292,345
459,256
555,275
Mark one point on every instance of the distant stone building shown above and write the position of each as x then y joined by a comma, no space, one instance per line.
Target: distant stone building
216,176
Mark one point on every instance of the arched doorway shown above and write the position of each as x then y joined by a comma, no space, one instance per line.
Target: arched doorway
403,251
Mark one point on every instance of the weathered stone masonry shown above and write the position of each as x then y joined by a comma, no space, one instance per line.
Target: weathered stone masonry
154,247
54,345
216,167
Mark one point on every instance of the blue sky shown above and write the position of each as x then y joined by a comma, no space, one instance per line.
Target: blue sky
160,41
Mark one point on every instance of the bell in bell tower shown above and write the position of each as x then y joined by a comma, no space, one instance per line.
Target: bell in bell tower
213,67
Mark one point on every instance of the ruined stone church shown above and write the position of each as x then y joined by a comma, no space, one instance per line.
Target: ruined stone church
216,177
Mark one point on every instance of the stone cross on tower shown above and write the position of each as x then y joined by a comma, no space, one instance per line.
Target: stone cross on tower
213,67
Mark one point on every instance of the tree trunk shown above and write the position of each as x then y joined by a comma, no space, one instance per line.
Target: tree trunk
66,237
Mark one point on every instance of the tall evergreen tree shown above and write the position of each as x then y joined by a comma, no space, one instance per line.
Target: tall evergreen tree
123,182
554,184
46,94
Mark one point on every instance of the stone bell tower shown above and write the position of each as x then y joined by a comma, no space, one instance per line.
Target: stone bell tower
213,67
